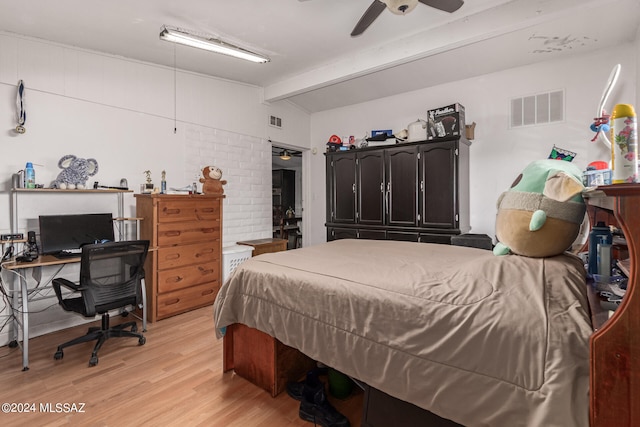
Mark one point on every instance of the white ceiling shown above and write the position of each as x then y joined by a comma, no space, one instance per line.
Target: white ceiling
314,61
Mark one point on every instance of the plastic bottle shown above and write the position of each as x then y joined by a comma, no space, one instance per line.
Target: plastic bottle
29,176
604,257
163,183
624,144
597,232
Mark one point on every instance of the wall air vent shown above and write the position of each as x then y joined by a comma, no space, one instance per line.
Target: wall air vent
537,109
275,121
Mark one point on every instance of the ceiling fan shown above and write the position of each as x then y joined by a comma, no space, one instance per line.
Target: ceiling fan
400,7
285,154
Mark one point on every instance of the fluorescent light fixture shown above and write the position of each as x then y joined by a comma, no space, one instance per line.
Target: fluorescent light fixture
212,44
284,155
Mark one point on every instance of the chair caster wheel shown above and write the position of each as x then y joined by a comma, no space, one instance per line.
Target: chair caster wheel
93,361
59,355
142,340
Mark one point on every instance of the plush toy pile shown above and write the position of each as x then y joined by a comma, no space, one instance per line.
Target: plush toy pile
540,215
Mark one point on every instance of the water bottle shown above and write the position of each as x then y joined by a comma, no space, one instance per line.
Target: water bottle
604,257
600,230
29,176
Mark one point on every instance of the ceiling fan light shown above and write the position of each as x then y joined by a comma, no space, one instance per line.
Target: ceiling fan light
284,155
211,44
400,7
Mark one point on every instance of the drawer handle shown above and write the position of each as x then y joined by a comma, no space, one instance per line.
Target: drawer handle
206,210
172,233
203,253
171,211
207,292
171,257
175,279
208,230
172,302
205,270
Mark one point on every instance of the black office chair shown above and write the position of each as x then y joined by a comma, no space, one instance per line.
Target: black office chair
111,277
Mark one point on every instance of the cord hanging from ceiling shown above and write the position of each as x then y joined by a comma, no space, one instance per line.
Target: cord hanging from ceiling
175,98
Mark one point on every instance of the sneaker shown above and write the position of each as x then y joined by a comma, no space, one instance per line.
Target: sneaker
297,389
317,409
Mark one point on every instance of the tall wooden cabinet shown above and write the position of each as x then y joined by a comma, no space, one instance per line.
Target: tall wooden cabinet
184,266
414,191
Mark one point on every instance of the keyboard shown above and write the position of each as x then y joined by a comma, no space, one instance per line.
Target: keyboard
66,253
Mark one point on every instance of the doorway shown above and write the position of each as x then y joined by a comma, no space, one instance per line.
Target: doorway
286,186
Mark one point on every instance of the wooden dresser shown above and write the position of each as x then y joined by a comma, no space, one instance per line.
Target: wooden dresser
184,269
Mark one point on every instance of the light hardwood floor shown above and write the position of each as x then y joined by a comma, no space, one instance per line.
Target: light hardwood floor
174,379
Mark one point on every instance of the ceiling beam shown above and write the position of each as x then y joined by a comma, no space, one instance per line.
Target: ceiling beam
506,18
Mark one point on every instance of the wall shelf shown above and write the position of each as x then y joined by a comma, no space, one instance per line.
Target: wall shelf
66,191
120,193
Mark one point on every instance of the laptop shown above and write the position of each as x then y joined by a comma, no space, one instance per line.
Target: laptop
64,235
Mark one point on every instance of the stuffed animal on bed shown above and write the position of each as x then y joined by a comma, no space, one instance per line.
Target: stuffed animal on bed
75,172
211,182
540,215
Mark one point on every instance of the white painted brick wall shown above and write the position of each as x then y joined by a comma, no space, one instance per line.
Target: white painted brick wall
246,166
98,91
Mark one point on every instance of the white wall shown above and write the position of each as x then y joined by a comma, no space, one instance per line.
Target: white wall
498,153
123,113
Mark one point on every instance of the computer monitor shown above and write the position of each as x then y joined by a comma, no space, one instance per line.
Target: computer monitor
64,232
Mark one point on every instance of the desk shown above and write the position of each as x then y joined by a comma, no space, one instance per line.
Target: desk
49,260
43,261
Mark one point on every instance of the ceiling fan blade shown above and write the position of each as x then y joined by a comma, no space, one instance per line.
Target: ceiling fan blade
369,16
445,5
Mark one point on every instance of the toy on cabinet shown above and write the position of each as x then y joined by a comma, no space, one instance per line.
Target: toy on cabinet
75,172
211,182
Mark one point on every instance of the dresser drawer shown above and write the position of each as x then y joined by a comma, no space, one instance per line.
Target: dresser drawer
195,253
184,277
180,233
186,299
192,210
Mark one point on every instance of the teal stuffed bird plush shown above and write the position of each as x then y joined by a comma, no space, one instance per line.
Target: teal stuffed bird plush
540,215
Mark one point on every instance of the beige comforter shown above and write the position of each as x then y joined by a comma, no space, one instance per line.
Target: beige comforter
478,339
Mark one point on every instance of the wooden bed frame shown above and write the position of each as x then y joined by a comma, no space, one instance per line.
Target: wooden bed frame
614,346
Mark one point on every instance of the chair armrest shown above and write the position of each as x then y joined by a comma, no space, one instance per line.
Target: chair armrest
60,281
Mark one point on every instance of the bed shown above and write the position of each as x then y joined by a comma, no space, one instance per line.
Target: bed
473,338
442,327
